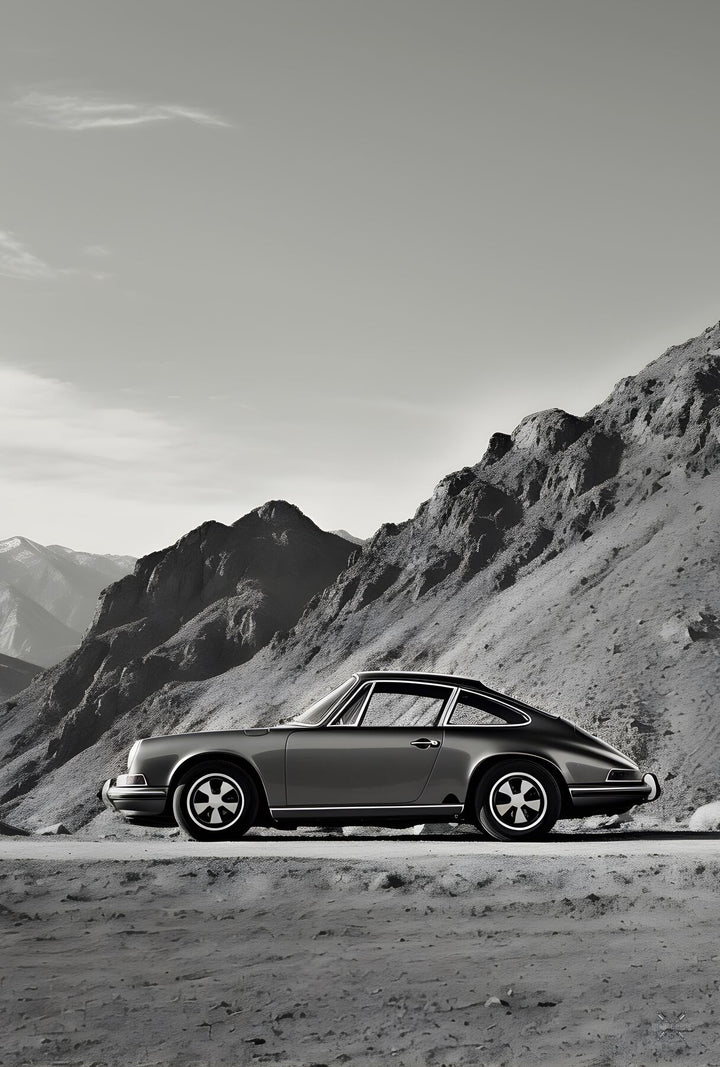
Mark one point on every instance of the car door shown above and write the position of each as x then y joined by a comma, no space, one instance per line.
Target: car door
381,751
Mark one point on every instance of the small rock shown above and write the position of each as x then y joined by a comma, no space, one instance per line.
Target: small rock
496,1002
388,880
53,830
615,821
706,817
437,829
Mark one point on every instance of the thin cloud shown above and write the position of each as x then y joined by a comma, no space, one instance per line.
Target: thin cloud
54,432
61,426
97,251
19,261
77,468
95,112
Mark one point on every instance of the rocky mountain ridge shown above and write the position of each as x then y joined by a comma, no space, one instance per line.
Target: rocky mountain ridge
574,565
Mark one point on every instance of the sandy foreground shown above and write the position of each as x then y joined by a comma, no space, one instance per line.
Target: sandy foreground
598,950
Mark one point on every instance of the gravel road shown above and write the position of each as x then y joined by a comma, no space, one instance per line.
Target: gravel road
372,849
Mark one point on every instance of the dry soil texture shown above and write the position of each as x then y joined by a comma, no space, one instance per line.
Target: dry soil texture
595,954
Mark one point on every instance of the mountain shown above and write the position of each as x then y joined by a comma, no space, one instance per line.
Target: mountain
350,537
48,596
15,674
28,630
574,565
187,613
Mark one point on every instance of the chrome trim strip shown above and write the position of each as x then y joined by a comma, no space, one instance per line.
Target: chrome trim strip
366,701
358,809
639,787
291,724
449,708
352,695
448,701
434,685
133,792
490,725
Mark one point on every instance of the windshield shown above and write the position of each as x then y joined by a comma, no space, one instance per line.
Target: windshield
318,711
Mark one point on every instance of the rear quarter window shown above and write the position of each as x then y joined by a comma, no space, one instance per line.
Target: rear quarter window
475,709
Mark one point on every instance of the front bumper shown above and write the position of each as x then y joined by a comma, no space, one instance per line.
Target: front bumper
615,794
133,801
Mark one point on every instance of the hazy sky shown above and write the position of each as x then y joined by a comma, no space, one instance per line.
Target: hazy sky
321,250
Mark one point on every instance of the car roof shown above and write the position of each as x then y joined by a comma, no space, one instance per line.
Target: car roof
422,676
450,680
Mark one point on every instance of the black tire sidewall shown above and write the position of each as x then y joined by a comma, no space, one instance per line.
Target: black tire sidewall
244,782
487,821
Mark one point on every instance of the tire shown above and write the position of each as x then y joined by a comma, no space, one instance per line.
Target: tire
517,800
215,801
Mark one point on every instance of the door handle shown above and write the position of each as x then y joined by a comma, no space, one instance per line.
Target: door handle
425,742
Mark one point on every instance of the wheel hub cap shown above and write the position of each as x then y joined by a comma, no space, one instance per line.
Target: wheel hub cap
215,802
518,801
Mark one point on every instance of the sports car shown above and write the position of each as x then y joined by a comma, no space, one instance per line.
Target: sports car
384,749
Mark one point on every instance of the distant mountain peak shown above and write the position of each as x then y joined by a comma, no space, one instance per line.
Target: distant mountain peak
48,596
11,544
350,537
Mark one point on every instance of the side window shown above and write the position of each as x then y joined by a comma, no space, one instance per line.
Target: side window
474,709
405,704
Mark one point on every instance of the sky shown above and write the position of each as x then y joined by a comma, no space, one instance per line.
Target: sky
321,250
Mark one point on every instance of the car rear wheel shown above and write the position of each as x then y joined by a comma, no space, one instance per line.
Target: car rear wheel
215,801
517,800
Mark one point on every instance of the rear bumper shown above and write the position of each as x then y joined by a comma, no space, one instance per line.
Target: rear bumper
615,795
133,801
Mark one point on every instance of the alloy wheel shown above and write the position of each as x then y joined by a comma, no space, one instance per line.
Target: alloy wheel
215,802
518,801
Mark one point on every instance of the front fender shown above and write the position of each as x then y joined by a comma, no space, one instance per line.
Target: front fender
165,759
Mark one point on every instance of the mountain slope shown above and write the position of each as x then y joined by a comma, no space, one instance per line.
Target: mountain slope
28,631
48,596
15,675
575,565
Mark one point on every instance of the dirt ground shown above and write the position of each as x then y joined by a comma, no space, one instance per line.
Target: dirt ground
407,952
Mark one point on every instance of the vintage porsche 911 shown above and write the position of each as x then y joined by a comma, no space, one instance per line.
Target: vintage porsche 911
384,749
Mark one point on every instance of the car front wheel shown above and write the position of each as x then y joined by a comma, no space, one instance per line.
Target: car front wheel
215,802
517,800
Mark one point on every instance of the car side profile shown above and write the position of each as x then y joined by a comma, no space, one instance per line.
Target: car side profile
385,749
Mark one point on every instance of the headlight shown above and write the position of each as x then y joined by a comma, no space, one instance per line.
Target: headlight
130,779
